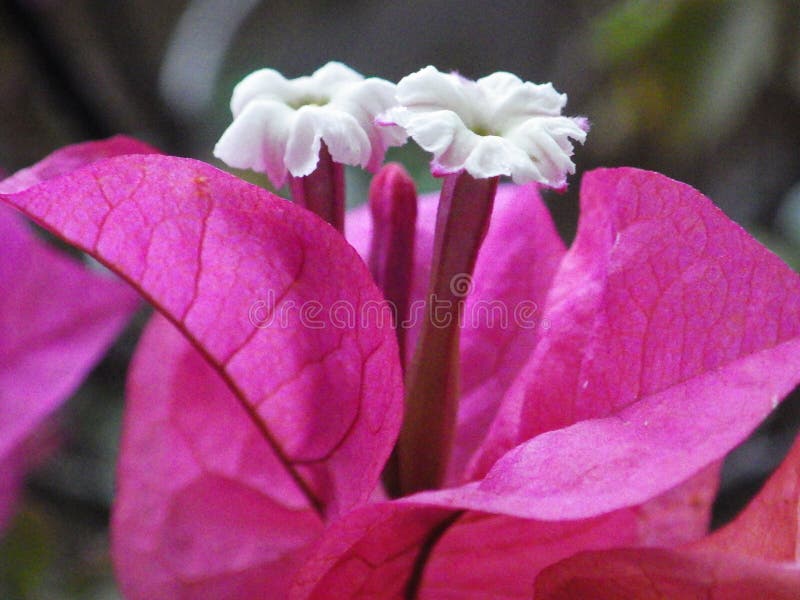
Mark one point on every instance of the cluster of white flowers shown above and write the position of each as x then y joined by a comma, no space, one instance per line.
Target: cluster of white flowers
497,125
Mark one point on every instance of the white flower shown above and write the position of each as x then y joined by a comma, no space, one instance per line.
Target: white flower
498,125
279,124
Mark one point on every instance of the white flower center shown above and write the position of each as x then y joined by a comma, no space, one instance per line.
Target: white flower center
497,125
280,124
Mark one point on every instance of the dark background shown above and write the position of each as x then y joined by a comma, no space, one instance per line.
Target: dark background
705,91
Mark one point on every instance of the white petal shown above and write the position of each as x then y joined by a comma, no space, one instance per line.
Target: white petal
431,90
346,141
494,156
264,83
526,101
454,157
257,139
333,75
498,125
335,104
500,83
434,131
365,101
303,145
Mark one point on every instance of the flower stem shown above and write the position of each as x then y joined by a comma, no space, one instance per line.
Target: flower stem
432,379
322,192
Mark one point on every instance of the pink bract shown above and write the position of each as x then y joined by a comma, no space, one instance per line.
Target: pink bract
57,317
256,433
265,291
755,556
666,336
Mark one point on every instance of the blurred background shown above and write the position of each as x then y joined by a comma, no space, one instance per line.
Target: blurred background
705,91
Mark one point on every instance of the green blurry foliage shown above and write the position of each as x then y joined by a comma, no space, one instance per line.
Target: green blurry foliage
681,71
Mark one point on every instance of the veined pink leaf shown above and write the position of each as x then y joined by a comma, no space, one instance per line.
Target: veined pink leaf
495,556
274,299
611,452
370,553
672,335
754,556
204,508
56,317
655,573
70,158
375,552
769,527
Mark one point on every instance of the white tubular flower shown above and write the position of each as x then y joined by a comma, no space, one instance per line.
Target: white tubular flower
497,125
279,124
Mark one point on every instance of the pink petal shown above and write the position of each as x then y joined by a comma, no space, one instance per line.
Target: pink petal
203,506
267,293
369,553
495,556
755,556
12,470
769,526
672,335
71,158
515,266
57,318
375,551
52,330
660,573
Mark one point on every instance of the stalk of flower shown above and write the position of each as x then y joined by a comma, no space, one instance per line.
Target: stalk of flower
305,130
477,132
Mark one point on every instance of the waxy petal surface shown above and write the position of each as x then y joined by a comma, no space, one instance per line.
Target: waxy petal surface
52,330
56,316
672,335
70,158
203,508
12,468
754,556
769,527
249,279
374,552
503,314
654,573
369,553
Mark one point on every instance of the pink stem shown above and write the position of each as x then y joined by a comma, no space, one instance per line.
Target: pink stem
432,379
322,192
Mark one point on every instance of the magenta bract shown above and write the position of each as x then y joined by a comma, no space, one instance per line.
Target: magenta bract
754,556
666,336
277,303
264,406
56,317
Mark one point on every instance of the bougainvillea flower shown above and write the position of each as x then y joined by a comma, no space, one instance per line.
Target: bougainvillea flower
755,556
497,125
646,368
307,409
279,125
260,414
56,317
